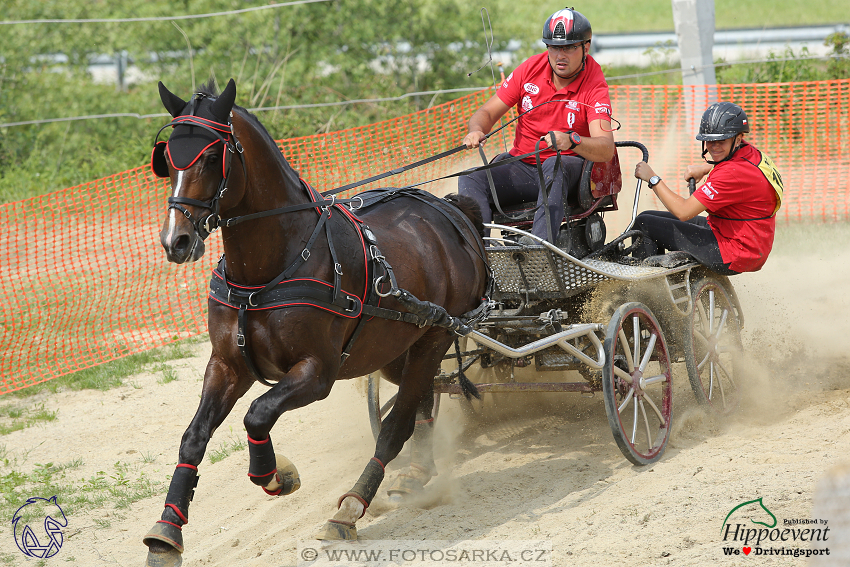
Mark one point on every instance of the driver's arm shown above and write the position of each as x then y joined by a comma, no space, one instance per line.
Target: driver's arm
483,119
599,147
684,209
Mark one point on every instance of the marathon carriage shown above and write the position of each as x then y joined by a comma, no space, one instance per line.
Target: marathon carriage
589,307
582,306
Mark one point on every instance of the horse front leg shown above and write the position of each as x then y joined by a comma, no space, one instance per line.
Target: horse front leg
302,385
222,388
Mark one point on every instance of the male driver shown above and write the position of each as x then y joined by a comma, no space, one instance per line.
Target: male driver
569,96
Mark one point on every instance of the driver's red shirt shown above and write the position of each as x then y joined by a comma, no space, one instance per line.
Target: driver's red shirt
737,189
581,102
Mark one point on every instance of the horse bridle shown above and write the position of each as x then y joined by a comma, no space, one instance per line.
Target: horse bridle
204,226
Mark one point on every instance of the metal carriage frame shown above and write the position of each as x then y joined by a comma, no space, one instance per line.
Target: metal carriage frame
643,319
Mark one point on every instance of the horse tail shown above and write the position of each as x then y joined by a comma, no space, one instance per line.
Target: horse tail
470,208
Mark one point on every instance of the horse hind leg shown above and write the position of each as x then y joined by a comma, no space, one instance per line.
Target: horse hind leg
415,384
422,467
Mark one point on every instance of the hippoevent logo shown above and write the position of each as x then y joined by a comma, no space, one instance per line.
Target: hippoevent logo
46,540
750,528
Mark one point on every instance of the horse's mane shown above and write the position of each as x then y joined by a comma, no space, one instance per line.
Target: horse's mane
209,89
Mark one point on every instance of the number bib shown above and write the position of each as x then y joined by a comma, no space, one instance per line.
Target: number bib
768,169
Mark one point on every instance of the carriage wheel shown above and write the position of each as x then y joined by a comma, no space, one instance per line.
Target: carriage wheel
637,384
713,347
378,412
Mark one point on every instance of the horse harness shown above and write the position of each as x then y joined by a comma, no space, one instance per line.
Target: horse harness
286,291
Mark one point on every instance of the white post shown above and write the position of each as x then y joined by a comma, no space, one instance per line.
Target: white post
694,20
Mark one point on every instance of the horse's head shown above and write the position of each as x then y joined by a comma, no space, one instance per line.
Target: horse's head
197,157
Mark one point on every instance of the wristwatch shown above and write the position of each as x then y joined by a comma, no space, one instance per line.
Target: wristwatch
575,139
653,181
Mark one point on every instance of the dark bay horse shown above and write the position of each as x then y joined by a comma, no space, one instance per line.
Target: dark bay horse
288,304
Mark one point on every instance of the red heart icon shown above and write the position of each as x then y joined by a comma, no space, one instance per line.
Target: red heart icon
747,550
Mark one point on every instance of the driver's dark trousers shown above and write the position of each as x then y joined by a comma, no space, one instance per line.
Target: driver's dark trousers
518,182
666,232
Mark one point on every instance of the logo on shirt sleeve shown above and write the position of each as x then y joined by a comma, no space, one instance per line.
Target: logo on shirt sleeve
531,88
508,80
602,108
709,191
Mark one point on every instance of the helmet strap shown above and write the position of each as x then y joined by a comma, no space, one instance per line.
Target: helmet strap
728,157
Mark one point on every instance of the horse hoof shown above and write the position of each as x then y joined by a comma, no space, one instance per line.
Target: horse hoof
286,480
404,486
335,530
168,558
164,533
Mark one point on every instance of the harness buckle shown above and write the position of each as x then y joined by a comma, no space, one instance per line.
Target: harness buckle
240,340
378,281
338,269
351,206
251,299
305,254
353,305
376,253
332,203
211,224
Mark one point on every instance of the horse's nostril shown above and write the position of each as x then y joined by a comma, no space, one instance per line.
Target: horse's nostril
181,244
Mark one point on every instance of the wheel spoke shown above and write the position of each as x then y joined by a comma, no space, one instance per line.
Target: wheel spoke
655,409
649,349
646,423
722,323
711,380
626,400
635,422
636,325
654,379
623,374
711,312
625,342
703,316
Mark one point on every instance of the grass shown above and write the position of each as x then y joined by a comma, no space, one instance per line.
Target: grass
110,492
113,491
616,16
228,447
18,411
112,374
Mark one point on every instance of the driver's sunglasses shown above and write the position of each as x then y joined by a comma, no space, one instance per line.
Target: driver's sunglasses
572,48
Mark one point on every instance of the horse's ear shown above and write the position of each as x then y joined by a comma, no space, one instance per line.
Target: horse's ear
222,105
172,103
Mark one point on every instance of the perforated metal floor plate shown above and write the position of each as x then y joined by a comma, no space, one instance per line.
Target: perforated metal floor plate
520,268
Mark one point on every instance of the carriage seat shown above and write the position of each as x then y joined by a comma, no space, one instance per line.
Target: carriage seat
597,192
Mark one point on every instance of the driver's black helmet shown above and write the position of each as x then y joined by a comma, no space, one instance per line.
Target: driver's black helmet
566,27
722,120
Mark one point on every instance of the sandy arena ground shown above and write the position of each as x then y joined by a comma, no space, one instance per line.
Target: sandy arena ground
532,467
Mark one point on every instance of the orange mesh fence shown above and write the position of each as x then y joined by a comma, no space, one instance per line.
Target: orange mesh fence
83,278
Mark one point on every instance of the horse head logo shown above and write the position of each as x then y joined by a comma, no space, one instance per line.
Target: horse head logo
47,543
756,510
